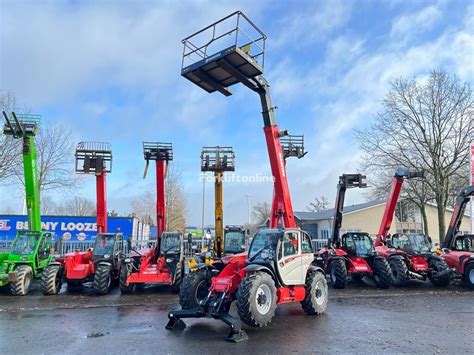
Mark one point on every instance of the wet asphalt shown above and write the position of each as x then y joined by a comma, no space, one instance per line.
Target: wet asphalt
359,319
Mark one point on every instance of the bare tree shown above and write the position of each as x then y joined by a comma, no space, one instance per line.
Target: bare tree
49,206
9,147
424,124
78,206
261,212
144,205
319,204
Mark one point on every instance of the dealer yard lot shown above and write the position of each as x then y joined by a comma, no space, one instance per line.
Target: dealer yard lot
415,319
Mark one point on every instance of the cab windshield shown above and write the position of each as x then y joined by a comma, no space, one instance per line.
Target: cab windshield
465,243
264,244
104,244
358,244
170,243
417,243
25,243
234,242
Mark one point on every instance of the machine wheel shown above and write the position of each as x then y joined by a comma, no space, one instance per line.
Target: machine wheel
438,266
52,280
316,295
21,286
73,286
178,280
338,273
399,271
195,287
103,279
468,276
257,299
382,273
124,288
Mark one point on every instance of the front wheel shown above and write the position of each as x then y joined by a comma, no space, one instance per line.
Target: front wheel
194,288
52,280
178,278
103,279
257,299
125,287
468,276
399,271
382,273
338,273
24,275
439,278
316,294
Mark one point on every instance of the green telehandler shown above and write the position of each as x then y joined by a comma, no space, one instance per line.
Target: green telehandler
32,249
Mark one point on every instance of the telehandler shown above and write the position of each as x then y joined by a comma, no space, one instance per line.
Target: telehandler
32,249
352,253
281,266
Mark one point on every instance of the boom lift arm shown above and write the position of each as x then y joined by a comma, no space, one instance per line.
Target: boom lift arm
462,200
26,127
345,181
397,182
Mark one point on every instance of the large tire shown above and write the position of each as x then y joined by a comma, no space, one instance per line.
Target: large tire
178,280
316,295
125,288
103,279
21,286
338,273
438,265
52,280
257,299
195,287
399,271
382,273
468,276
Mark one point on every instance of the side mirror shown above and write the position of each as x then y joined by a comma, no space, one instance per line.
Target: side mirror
247,231
430,240
129,243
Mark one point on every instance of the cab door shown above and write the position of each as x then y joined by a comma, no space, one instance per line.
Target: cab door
44,250
307,255
289,258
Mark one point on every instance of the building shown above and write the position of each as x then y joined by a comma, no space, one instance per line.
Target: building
366,217
75,228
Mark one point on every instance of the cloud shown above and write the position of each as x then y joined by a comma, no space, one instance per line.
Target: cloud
407,26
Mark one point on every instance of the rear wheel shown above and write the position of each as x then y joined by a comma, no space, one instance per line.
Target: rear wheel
468,276
382,273
438,266
256,299
125,288
338,273
21,286
52,280
316,295
399,271
103,279
194,288
178,279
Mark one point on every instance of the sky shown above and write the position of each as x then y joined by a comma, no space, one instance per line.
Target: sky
110,71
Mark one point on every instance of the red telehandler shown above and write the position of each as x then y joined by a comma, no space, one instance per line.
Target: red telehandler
458,249
281,265
101,264
409,255
163,264
352,253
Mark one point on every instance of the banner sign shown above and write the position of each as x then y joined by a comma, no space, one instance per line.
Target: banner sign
72,228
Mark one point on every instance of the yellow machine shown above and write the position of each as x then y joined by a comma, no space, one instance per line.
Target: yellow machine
218,160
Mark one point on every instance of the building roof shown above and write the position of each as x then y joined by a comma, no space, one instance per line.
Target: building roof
329,213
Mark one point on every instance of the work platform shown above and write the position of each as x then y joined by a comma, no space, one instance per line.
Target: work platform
237,53
217,159
93,157
19,125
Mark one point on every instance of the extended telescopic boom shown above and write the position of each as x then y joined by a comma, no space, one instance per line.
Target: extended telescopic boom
462,200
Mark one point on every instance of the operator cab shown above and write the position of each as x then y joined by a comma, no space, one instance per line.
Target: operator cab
234,239
287,253
464,243
107,245
414,243
25,242
357,244
171,243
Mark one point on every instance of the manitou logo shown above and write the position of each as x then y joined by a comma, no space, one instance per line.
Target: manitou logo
4,225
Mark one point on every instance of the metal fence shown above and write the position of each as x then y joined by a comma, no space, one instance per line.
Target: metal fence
318,244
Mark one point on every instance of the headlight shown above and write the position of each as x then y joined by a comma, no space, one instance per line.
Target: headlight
127,260
106,256
168,260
